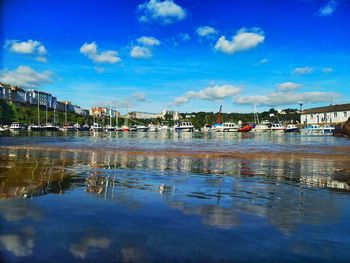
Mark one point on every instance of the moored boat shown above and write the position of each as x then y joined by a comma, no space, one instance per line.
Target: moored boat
185,126
36,128
96,127
152,127
49,127
15,126
245,128
317,130
291,128
277,127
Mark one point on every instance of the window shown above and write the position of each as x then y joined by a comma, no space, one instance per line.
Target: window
335,115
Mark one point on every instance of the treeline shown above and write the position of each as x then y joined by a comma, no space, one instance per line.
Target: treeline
199,119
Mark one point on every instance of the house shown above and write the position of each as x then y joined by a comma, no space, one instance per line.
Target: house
328,114
142,115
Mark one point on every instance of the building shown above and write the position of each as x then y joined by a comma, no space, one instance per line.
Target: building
328,114
45,99
174,114
103,111
142,115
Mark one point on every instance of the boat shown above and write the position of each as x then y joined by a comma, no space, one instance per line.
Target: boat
125,128
229,127
164,127
260,128
141,128
96,127
152,127
49,127
68,127
109,128
291,128
317,130
184,127
2,129
35,128
15,126
118,129
245,128
85,127
217,127
206,128
277,127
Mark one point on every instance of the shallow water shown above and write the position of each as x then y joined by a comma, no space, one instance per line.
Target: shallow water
158,197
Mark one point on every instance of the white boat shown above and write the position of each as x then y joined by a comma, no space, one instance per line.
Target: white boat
164,127
317,130
125,128
229,127
277,127
50,127
141,128
217,127
261,128
184,127
35,128
109,128
152,127
2,129
118,129
15,126
206,128
292,128
68,127
96,127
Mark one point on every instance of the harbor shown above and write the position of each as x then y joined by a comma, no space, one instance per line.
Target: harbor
112,198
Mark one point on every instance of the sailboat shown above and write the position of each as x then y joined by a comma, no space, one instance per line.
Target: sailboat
48,126
259,127
110,128
38,126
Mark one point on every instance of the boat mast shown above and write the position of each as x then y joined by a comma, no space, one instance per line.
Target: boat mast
54,114
65,112
110,114
38,109
46,109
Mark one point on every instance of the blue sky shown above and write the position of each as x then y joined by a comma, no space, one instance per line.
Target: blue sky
185,55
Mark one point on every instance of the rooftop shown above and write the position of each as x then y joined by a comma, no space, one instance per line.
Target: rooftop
330,108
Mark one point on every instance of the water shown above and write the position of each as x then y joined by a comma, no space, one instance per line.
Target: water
158,197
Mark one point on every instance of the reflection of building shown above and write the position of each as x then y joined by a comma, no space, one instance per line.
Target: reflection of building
327,114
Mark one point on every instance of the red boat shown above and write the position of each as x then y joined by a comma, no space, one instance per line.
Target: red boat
245,128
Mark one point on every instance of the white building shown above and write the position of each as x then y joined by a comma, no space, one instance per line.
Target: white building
45,99
175,114
327,114
142,115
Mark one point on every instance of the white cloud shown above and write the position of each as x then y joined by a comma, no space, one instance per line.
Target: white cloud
328,9
206,31
25,77
285,98
99,69
210,93
139,96
164,12
90,50
31,47
243,40
288,86
140,52
263,61
327,70
303,70
20,246
148,41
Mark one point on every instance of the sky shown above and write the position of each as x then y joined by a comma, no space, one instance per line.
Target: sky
148,55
